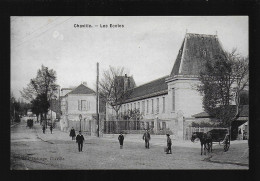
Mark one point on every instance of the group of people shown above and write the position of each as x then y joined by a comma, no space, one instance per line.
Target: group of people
146,137
44,128
79,138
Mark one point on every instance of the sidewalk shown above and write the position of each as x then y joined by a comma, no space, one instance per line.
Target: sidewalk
238,154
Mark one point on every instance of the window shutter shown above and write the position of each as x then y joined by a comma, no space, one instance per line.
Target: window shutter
78,104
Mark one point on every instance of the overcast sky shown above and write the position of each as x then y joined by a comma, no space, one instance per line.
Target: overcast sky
146,46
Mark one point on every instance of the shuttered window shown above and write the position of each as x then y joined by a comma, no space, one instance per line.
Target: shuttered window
157,110
173,99
163,105
152,106
147,108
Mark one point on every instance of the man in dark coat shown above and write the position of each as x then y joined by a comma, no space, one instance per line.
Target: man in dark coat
79,140
146,138
169,144
121,140
72,133
51,128
43,129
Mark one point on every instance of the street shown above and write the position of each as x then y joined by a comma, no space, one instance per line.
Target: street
31,150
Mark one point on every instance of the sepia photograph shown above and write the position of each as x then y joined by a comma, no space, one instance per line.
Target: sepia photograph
129,93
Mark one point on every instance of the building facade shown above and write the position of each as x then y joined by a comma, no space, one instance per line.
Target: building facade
78,101
169,102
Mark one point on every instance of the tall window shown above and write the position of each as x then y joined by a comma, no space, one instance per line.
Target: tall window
139,106
131,106
124,109
147,108
163,104
82,105
152,106
173,99
127,107
143,107
157,108
135,105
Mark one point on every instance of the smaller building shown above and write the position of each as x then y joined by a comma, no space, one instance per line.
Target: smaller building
78,101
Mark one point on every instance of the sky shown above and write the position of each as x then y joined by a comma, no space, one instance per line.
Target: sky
146,46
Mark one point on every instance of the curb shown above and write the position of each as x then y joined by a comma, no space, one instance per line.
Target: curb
228,162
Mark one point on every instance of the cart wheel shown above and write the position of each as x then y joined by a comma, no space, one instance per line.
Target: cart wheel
226,146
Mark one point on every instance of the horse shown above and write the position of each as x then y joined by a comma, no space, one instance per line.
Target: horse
205,140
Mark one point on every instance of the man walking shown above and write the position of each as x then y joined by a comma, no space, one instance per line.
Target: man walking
43,129
79,140
72,133
51,128
146,138
169,144
121,140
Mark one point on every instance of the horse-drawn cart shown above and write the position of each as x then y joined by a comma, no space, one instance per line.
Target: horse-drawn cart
217,135
220,136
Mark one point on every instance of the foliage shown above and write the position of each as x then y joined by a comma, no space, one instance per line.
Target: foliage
133,114
222,81
17,108
41,90
204,124
40,105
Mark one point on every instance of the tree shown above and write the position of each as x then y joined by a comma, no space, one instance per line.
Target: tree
40,105
223,79
112,88
41,88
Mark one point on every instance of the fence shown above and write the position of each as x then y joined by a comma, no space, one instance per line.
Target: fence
190,130
123,126
131,127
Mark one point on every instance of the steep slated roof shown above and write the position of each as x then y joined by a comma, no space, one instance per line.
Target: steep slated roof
196,49
82,89
158,86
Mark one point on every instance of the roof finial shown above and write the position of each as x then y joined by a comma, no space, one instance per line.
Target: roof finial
186,31
216,32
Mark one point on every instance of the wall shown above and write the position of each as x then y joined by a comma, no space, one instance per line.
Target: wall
188,100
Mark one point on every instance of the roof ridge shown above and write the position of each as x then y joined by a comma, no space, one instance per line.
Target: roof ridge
201,34
149,82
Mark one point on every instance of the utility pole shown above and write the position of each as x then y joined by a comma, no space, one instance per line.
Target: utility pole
97,104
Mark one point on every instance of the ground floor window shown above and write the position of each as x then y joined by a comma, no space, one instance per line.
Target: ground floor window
163,125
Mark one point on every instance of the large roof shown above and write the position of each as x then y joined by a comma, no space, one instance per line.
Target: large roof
82,89
195,50
243,112
150,89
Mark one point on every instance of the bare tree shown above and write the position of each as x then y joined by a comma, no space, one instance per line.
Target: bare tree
112,88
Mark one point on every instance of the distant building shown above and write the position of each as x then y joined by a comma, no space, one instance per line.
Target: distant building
169,102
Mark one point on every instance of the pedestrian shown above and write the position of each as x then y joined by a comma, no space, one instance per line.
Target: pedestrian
79,140
51,128
43,129
169,144
72,133
146,138
121,140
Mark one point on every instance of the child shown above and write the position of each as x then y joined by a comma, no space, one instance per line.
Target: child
169,144
121,140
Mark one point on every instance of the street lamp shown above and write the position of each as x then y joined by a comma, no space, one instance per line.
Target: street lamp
80,117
